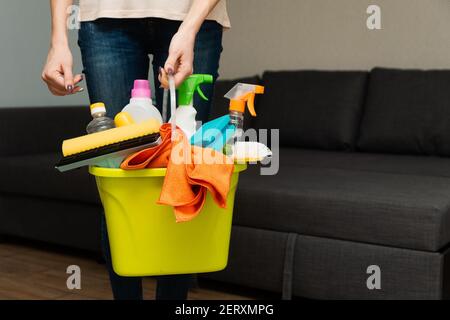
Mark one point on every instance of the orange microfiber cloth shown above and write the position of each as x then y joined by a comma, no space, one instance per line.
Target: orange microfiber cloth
191,172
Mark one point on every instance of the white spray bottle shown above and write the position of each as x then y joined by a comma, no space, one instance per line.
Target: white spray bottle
185,113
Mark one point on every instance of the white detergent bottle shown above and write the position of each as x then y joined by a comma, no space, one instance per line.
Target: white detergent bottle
185,113
140,107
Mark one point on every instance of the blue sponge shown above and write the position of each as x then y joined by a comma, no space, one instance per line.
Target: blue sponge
214,134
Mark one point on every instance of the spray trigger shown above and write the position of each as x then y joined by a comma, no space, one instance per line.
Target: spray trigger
251,105
242,95
201,94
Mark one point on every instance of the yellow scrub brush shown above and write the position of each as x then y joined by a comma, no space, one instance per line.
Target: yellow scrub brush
109,146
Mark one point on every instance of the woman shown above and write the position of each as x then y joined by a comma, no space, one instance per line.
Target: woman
115,39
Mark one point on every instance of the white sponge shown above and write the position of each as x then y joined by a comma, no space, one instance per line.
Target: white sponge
250,151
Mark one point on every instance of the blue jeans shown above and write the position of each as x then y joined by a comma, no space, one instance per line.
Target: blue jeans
115,52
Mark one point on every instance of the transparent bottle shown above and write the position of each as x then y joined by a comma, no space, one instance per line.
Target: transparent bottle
100,121
237,119
242,95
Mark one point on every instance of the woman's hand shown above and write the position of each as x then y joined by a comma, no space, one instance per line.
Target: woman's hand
57,73
181,58
181,50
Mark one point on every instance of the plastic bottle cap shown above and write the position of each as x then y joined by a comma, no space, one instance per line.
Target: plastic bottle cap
141,89
97,107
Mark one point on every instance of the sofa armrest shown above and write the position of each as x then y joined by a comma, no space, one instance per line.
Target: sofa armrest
32,130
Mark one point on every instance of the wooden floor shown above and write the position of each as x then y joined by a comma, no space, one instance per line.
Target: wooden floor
27,272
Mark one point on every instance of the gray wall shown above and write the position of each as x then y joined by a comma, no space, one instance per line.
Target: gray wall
332,34
24,38
266,34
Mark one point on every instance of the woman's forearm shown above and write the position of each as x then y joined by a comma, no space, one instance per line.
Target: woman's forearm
59,19
57,72
198,12
181,50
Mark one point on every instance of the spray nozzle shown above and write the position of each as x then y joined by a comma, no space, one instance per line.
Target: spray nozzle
243,94
190,85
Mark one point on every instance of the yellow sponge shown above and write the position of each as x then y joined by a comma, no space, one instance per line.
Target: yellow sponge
111,136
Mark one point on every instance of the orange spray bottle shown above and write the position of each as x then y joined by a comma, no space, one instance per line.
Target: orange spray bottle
242,95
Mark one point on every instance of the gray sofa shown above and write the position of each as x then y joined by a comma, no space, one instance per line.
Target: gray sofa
364,180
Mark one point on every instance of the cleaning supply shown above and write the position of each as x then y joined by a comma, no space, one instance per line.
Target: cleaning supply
140,107
173,106
116,143
188,177
164,105
250,151
241,95
214,134
100,121
145,239
184,116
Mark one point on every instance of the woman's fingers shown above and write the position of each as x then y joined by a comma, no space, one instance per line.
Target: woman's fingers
53,78
171,63
181,56
57,72
180,75
163,79
55,91
56,82
68,78
58,92
77,89
182,68
183,72
77,79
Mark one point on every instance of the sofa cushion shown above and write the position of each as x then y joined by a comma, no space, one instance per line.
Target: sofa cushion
256,259
407,111
313,109
71,224
35,175
375,162
331,269
39,129
372,204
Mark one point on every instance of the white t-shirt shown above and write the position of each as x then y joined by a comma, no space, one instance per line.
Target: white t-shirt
166,9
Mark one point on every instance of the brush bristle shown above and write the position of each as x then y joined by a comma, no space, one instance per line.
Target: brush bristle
108,137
